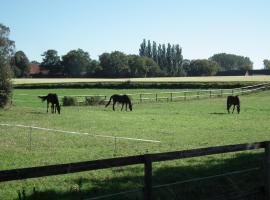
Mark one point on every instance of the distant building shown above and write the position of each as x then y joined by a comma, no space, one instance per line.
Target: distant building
37,71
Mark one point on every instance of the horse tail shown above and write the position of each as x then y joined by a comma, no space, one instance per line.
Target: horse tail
109,101
43,98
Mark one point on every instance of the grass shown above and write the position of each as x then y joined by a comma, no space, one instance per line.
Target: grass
179,125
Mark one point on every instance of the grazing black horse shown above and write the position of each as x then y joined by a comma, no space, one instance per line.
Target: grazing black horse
123,99
233,100
53,99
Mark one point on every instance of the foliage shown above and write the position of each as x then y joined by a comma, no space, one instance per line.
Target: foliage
202,68
20,64
6,52
114,64
232,62
52,62
94,100
69,101
266,64
168,58
76,62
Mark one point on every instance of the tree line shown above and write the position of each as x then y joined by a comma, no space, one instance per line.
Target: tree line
154,60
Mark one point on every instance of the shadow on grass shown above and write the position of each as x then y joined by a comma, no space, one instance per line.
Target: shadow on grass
217,113
164,173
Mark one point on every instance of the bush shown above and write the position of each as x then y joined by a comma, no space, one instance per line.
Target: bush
69,101
96,100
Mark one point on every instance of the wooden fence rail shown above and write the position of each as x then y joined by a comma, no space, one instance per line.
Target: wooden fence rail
147,160
186,94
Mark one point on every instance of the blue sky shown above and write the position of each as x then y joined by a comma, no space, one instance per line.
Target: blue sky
201,27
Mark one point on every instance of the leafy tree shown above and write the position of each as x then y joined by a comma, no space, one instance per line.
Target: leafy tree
52,62
232,62
202,67
76,62
151,67
6,52
114,64
93,68
136,65
20,64
266,64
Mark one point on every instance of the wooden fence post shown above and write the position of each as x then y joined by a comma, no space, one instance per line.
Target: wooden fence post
140,98
185,96
171,96
147,177
198,94
267,170
221,93
156,97
210,93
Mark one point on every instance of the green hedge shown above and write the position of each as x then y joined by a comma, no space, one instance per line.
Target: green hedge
127,85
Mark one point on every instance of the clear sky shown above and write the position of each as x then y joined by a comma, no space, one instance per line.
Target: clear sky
201,27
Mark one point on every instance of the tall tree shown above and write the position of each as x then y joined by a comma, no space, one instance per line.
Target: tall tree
7,47
266,64
20,64
149,49
142,50
154,52
179,61
75,63
169,59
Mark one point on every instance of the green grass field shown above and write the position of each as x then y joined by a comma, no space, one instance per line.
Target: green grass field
178,125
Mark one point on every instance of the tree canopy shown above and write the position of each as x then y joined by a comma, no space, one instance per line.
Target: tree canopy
76,62
266,64
232,62
7,47
20,64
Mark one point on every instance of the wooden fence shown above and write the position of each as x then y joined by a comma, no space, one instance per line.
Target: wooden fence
146,160
176,96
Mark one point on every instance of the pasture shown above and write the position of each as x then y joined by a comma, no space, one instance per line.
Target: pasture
177,125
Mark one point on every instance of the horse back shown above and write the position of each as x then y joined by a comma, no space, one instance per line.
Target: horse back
233,100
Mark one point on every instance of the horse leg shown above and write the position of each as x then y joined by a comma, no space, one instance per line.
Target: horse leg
122,106
52,108
228,108
126,106
47,106
233,108
113,105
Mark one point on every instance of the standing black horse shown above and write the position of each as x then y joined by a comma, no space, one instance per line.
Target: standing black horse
53,99
123,99
233,100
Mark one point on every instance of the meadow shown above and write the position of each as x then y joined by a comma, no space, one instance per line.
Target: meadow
177,125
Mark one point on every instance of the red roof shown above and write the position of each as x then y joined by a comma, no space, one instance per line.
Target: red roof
34,69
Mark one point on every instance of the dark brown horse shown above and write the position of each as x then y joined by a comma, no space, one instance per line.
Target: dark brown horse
235,101
52,99
123,99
